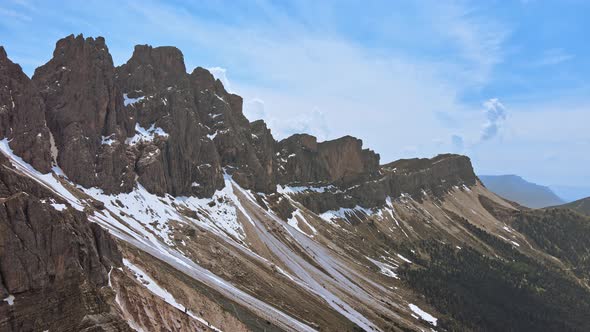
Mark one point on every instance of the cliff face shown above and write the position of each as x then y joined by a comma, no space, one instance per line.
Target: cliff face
302,160
173,153
150,122
436,175
414,177
84,111
22,115
54,263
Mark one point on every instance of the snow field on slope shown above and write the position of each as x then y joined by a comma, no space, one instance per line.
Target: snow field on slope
146,236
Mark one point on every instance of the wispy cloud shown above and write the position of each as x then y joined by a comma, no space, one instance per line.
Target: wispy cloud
14,14
479,38
552,57
314,80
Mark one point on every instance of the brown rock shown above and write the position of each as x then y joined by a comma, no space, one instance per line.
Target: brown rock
246,158
22,117
83,109
409,176
185,161
54,263
341,162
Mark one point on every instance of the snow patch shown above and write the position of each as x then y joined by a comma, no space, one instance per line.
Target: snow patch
107,140
423,314
59,207
212,136
145,135
297,190
130,101
345,213
384,268
48,180
294,222
404,259
9,299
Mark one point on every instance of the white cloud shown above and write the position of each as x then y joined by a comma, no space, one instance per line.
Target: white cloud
330,86
254,109
496,114
221,74
479,39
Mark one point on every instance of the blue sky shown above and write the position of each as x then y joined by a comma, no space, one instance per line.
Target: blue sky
503,82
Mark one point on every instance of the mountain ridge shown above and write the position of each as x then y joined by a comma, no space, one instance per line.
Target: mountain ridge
580,205
195,218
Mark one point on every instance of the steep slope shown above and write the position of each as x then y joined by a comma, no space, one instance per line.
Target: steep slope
22,115
186,216
515,188
54,264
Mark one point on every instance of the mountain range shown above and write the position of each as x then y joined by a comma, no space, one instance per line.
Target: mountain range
517,189
140,198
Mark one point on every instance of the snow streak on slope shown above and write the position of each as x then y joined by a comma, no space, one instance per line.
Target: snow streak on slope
153,287
334,286
48,181
146,221
152,240
423,314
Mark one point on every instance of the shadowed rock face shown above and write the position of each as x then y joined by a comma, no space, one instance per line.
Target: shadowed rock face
247,157
183,161
54,263
22,115
150,122
435,176
83,109
302,160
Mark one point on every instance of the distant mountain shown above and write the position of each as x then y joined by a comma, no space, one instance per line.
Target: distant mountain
581,205
570,193
517,189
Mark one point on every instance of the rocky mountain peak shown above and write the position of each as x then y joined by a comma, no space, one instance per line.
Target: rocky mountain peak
176,133
78,46
83,111
3,55
22,117
151,69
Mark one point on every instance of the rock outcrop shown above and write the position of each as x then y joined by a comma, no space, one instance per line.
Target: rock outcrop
413,177
84,111
54,263
247,157
22,115
302,160
176,156
150,122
